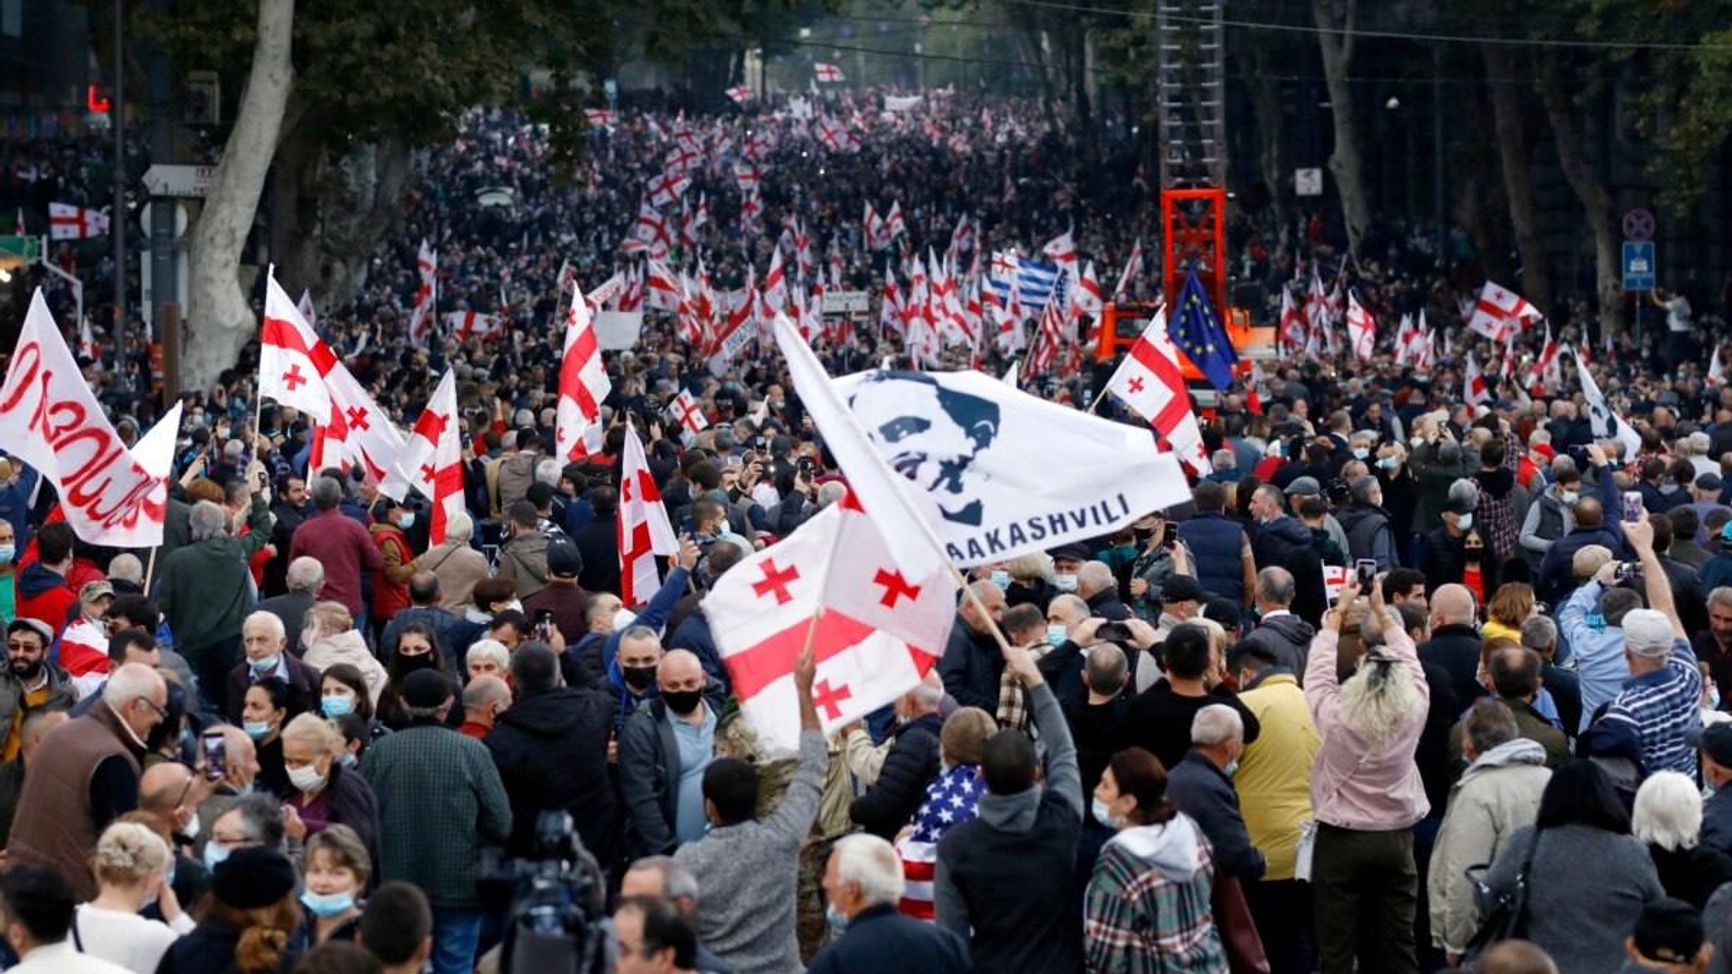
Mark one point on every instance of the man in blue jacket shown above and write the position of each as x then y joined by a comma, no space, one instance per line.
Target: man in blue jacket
863,883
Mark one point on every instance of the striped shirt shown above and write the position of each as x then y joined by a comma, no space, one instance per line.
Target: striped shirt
1660,708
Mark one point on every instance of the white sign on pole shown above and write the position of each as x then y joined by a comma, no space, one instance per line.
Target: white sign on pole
617,330
174,180
1308,182
846,302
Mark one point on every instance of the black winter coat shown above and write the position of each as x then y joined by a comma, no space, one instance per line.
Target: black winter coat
551,750
909,767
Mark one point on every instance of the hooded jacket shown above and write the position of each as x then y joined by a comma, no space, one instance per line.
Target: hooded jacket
551,749
1286,542
1287,636
349,647
43,594
1497,794
1148,906
523,560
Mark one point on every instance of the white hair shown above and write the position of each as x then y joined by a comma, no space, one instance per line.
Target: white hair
1216,724
870,863
548,470
488,649
305,574
1668,812
1380,699
206,521
270,620
128,683
459,528
929,692
830,492
126,567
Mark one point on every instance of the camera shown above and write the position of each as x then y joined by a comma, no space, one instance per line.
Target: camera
558,918
1114,632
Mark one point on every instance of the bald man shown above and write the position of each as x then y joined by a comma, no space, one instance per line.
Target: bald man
35,728
484,699
663,751
1454,643
973,665
169,795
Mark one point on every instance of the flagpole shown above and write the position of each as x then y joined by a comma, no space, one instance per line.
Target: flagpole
150,568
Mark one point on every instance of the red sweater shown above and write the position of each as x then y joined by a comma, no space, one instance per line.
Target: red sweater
346,550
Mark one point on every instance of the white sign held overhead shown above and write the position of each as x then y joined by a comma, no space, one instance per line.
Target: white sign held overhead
618,330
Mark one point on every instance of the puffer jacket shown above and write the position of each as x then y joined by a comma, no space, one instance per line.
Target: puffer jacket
1498,794
910,766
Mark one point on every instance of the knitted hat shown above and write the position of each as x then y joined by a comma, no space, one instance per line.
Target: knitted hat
253,877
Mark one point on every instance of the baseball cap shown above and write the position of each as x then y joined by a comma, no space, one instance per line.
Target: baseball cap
1709,481
1647,633
1714,740
1458,505
563,561
1181,588
425,688
96,590
1669,931
1304,486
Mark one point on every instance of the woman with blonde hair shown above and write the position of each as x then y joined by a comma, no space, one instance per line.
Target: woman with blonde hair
336,869
322,792
329,634
131,864
1510,606
252,920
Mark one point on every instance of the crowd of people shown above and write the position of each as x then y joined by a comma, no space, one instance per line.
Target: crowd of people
1407,684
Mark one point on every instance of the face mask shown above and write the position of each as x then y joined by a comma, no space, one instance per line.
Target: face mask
335,706
1569,497
7,553
1231,769
1055,635
1388,463
1360,453
257,729
1103,814
682,702
409,663
638,678
348,759
327,904
306,778
1064,583
1466,522
1714,699
1472,554
214,855
1417,440
190,830
266,664
837,921
406,521
623,619
1001,578
514,604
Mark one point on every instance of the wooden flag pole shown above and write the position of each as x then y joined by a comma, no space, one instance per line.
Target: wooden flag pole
150,568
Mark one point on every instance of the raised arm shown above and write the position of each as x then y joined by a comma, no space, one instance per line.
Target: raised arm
1062,775
1640,535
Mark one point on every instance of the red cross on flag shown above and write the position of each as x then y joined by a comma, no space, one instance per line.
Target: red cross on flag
740,94
1474,387
1061,250
293,362
1087,298
825,71
1361,328
583,384
68,222
662,289
874,632
1291,334
431,460
1150,381
1500,312
473,324
426,293
642,526
688,413
359,431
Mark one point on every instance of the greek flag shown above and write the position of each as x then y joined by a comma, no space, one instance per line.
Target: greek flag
1035,280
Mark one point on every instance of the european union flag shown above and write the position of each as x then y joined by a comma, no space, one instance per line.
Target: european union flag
1196,327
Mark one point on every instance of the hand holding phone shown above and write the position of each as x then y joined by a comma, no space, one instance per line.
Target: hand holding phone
215,748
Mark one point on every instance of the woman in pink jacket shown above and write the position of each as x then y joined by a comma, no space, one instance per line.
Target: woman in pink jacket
1366,793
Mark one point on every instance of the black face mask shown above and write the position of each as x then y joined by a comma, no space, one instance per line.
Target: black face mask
682,702
638,678
407,663
1473,554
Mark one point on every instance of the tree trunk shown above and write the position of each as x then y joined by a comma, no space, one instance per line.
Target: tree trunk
1508,125
1272,159
360,202
1335,36
1573,157
220,321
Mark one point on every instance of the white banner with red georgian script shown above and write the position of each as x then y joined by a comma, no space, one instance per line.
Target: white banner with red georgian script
50,419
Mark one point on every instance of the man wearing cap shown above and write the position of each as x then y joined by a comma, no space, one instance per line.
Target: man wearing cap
1303,487
1067,560
84,643
1705,497
90,776
30,681
1281,540
562,596
440,801
1659,703
1668,937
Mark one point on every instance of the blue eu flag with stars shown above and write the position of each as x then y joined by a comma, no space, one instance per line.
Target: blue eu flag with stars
1196,327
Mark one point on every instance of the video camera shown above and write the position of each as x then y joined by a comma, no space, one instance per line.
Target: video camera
558,923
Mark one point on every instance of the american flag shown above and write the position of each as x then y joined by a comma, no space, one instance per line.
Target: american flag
950,801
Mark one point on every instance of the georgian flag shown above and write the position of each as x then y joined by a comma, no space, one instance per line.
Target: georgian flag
827,72
1548,372
894,225
471,324
293,361
662,290
1087,298
890,318
1061,250
426,293
1151,381
666,187
1361,328
1133,265
1500,313
1474,387
1292,332
583,384
872,229
431,460
740,94
598,117
68,222
359,432
643,531
688,413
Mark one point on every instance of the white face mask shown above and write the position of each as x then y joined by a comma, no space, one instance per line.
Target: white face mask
1103,814
623,619
306,778
1569,497
1064,583
1465,523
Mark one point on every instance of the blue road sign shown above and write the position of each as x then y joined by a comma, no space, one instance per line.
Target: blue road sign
1639,267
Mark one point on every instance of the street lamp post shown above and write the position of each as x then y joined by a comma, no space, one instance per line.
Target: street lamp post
117,224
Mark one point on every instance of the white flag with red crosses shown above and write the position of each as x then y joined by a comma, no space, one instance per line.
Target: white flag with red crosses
642,529
431,460
876,633
293,361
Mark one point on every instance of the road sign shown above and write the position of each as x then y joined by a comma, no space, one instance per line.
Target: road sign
1308,182
186,181
1639,224
1639,266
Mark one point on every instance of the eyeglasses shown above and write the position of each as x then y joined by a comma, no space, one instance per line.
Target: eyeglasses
17,646
160,711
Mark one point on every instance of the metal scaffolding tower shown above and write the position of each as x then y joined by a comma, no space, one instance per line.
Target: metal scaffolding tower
1191,87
